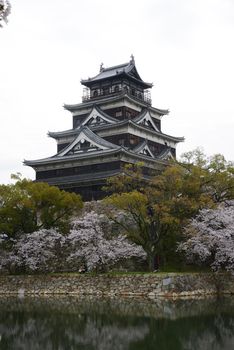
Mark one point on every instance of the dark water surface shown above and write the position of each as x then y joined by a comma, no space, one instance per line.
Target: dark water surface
114,324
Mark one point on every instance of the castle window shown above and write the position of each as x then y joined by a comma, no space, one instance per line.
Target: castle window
95,93
118,114
132,141
116,88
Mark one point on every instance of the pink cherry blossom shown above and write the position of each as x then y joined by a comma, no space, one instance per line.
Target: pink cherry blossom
210,238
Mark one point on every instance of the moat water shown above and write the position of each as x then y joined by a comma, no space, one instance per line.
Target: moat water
116,324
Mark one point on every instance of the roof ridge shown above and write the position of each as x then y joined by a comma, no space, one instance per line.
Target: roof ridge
90,135
104,113
164,153
117,66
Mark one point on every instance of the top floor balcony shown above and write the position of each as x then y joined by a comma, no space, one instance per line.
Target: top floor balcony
115,91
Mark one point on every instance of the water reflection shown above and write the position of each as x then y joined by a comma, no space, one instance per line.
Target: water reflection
88,324
219,335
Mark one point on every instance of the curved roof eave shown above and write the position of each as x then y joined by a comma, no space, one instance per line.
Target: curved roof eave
56,134
104,114
116,71
90,103
56,159
110,126
100,75
143,83
158,133
91,136
144,157
124,94
68,132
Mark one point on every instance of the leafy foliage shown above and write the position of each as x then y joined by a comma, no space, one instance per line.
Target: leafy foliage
130,179
28,206
160,206
210,238
216,174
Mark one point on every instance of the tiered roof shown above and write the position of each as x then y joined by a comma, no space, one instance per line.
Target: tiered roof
144,121
86,145
97,145
107,99
127,70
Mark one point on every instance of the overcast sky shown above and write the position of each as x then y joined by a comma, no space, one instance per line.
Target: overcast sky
185,47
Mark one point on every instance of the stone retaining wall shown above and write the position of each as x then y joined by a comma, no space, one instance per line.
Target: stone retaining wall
146,285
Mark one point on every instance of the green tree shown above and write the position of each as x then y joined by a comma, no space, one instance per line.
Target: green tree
27,206
217,174
155,212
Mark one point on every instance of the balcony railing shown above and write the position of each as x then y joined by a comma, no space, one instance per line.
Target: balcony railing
145,97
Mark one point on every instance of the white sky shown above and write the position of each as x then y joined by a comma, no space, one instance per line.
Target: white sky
185,47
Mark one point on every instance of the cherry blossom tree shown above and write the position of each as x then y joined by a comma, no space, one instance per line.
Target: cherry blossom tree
5,9
96,248
40,251
89,244
210,238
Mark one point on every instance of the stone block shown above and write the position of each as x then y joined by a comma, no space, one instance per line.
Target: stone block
166,281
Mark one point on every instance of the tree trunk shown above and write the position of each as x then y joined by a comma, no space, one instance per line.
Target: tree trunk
153,262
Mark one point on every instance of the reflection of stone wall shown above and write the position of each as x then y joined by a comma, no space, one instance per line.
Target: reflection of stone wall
125,307
150,285
76,322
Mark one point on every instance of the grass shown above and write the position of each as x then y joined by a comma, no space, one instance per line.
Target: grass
127,273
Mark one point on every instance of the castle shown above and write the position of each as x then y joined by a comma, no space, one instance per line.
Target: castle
114,125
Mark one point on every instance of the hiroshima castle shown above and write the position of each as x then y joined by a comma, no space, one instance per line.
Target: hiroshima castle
114,125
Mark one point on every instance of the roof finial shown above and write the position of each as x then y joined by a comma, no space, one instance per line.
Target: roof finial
132,59
101,67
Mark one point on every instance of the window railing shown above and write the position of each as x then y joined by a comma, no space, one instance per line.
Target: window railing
96,94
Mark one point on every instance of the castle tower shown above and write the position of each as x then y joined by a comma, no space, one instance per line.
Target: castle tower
114,125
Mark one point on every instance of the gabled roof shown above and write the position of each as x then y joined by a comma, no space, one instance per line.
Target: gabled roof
144,149
146,120
114,123
97,112
93,141
126,69
121,152
104,119
98,146
140,127
85,136
166,154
